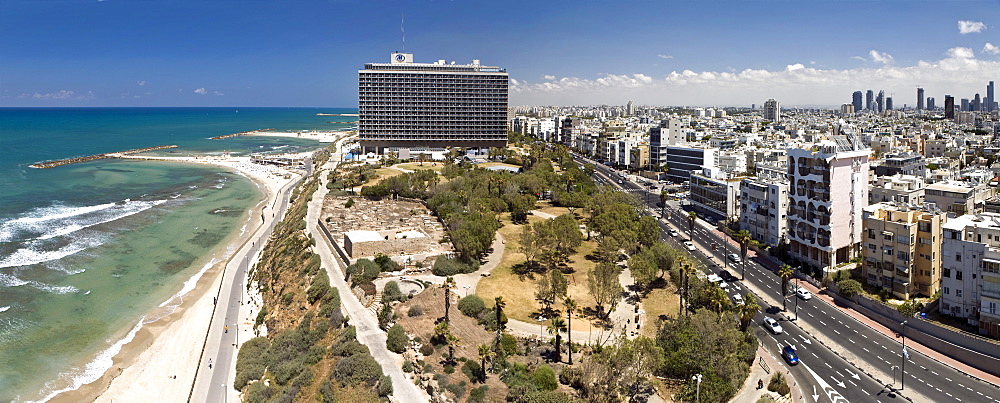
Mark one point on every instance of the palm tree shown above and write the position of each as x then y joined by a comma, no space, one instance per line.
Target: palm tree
747,310
500,305
663,201
570,305
443,332
785,272
743,237
686,271
556,328
485,354
718,299
449,283
692,217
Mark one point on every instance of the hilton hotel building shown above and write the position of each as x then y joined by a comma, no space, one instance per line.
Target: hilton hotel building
403,104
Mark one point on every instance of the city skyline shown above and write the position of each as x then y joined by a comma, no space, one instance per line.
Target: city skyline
110,53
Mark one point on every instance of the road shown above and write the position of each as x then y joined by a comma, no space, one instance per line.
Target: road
822,364
214,377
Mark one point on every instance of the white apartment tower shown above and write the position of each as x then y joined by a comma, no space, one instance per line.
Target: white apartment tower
827,190
970,265
403,104
772,111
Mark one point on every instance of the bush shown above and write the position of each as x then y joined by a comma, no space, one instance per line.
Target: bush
473,370
445,267
571,376
258,393
544,378
427,350
458,389
250,363
356,369
778,384
471,306
407,366
478,395
385,386
396,339
449,369
415,310
509,344
363,271
319,287
348,348
392,293
349,203
287,299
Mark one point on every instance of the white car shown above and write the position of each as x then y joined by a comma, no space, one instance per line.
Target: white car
689,245
772,325
672,232
738,299
802,293
734,257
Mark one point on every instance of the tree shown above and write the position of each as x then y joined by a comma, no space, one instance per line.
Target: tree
498,307
472,306
556,328
529,244
850,288
664,196
443,333
396,339
651,263
605,287
692,217
570,305
687,270
634,361
743,237
747,310
519,206
449,283
718,299
785,272
647,231
567,234
910,307
485,354
551,287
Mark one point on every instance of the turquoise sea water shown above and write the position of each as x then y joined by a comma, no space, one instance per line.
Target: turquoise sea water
89,252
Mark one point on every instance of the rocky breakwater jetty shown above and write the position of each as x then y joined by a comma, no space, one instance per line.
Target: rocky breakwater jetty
249,133
56,163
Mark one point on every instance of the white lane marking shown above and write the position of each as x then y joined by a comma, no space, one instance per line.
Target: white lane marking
866,350
949,380
935,373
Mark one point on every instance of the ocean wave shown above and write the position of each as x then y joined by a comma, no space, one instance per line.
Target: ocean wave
94,369
34,253
7,280
4,308
55,221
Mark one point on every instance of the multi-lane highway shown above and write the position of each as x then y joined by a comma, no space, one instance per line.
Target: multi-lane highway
824,367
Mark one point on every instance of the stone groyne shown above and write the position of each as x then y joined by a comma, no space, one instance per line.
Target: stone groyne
226,136
56,163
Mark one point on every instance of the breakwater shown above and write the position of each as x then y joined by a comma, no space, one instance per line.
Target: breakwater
56,163
226,136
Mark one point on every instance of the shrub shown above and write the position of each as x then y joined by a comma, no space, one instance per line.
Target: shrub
363,271
327,393
778,384
356,369
427,350
349,203
385,386
471,306
392,293
396,339
385,263
287,298
473,370
407,366
571,376
544,378
449,369
250,363
319,287
415,310
444,266
348,348
478,395
458,389
258,393
509,344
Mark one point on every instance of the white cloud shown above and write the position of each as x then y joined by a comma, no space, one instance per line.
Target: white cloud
883,58
662,56
549,77
217,93
991,49
201,91
141,83
62,94
968,27
859,58
797,84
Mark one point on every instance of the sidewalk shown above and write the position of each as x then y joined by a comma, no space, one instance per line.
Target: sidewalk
749,392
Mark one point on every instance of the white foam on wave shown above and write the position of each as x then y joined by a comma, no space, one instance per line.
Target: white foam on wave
93,370
31,254
4,308
188,285
55,221
7,280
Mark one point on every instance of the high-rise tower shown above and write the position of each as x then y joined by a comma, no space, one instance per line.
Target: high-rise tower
772,111
869,100
880,101
856,101
949,107
990,101
920,98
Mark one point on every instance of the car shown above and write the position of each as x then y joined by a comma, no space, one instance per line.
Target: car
737,299
726,275
734,257
673,232
689,245
723,285
788,353
772,325
802,293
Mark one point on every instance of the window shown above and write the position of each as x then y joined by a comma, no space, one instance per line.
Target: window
887,235
946,290
946,272
925,241
924,227
887,251
958,292
903,239
958,257
904,256
958,274
872,247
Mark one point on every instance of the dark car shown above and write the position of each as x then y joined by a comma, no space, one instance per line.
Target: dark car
726,275
788,353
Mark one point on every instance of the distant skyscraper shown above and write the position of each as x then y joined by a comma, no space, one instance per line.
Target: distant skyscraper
976,104
869,100
846,109
630,108
856,101
880,101
772,111
930,103
920,98
888,103
949,107
990,101
403,104
964,105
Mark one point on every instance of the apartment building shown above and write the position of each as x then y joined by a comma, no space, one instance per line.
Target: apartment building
903,248
764,209
970,270
959,198
897,188
715,198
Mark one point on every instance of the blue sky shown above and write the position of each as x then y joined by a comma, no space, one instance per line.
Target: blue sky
307,53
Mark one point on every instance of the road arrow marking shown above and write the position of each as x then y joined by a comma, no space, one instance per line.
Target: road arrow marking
839,383
805,340
853,375
815,396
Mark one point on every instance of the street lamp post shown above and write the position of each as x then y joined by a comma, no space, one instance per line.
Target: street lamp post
796,288
466,287
541,335
902,367
697,379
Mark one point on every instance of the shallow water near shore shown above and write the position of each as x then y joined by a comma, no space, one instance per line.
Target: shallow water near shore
88,251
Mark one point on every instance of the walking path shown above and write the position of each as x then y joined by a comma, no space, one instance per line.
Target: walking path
761,369
366,324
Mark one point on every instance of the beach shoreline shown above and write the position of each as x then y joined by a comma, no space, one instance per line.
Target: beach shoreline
163,354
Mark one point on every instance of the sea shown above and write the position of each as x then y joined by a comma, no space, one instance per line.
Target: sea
91,252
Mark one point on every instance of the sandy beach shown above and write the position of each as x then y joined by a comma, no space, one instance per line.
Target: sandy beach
163,356
322,137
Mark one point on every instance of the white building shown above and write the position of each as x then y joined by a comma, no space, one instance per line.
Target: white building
772,111
970,278
764,209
